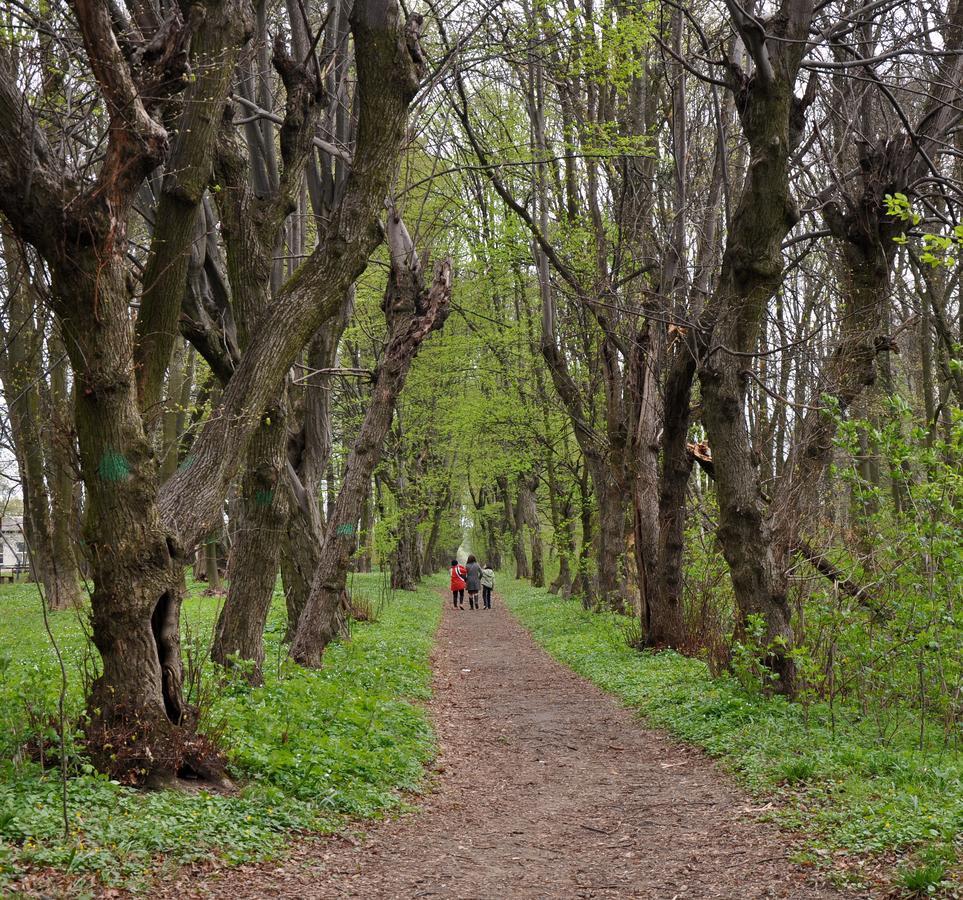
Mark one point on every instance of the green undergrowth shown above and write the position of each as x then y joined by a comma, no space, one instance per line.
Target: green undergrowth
308,751
831,775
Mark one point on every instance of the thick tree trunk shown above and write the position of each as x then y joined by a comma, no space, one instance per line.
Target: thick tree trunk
309,455
137,701
751,271
661,626
315,293
529,509
136,704
138,535
302,550
254,208
255,552
516,514
668,615
404,558
611,497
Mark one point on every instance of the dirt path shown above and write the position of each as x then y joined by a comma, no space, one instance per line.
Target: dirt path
546,789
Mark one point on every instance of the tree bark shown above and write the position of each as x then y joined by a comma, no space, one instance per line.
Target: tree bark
34,435
529,509
405,557
252,222
224,29
309,454
137,585
516,516
314,294
412,313
751,272
404,568
255,551
61,480
667,622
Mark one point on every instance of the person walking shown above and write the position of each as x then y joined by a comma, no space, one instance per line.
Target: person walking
488,584
473,581
457,573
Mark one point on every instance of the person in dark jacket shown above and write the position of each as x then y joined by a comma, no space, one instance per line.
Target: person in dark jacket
473,581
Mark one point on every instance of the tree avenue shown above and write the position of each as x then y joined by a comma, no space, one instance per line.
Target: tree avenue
653,305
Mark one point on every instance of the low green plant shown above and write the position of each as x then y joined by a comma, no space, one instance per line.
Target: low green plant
797,771
748,658
307,750
923,880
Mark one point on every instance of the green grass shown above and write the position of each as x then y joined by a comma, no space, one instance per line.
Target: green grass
308,750
831,775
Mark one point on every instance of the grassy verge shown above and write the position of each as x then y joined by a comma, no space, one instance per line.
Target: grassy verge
308,749
831,774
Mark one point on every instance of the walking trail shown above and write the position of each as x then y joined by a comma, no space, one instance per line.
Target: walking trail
546,788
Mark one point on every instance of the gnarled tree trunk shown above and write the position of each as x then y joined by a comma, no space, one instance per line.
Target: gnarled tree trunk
255,551
252,221
751,272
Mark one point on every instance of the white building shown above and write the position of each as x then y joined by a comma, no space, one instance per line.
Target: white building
15,557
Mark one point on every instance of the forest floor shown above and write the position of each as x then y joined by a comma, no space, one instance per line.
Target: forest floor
545,787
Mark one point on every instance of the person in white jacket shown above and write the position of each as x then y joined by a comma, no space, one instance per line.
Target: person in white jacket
487,584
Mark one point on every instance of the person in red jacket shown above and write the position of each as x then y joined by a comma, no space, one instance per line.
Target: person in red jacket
458,573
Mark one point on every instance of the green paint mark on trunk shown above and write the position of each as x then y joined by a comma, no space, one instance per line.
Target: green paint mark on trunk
345,529
187,462
264,498
113,466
